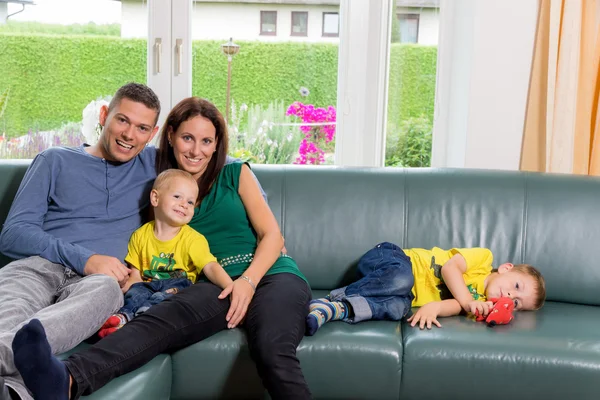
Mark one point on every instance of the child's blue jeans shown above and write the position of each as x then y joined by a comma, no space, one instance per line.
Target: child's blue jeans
143,295
384,290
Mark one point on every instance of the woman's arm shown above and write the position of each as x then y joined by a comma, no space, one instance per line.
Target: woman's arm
270,243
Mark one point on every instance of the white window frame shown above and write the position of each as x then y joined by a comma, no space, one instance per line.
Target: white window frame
482,83
363,70
363,74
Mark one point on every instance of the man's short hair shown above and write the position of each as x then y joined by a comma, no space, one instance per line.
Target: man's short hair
140,94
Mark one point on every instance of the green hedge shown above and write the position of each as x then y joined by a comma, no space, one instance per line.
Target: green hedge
412,82
52,78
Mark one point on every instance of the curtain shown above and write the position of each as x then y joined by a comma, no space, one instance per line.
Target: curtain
562,122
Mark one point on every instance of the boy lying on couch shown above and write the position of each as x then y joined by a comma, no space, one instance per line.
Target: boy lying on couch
441,282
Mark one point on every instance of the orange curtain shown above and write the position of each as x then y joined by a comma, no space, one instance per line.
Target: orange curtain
562,123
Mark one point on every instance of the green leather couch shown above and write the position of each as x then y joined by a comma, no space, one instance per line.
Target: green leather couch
330,216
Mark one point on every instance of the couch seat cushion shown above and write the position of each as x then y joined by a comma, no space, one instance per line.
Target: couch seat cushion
554,351
337,362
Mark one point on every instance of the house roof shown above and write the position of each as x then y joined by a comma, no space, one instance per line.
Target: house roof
399,3
17,1
418,3
303,2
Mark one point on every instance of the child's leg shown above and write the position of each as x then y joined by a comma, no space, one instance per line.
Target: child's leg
383,292
134,298
163,289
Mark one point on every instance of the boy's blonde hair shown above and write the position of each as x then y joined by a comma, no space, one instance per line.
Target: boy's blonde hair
540,287
167,175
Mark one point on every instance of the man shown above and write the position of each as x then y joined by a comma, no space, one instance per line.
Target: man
69,226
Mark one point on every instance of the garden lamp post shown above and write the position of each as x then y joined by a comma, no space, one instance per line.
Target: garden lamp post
230,49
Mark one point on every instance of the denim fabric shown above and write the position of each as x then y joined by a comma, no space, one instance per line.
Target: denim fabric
143,295
71,308
384,288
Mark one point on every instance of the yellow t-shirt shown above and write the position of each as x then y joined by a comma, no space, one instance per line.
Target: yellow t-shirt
427,270
184,256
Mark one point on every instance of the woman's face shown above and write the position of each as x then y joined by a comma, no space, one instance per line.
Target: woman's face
194,144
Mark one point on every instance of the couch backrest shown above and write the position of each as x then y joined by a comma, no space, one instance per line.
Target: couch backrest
11,174
330,216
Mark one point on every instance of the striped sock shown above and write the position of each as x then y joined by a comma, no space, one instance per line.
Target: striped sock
322,311
318,303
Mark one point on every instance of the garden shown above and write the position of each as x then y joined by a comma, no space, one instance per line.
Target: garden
283,94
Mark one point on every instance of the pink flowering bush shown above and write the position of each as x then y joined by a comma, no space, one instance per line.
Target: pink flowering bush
318,134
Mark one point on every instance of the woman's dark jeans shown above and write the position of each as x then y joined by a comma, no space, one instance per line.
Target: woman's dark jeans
274,325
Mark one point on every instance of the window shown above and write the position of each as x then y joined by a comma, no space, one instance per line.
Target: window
331,24
268,23
57,61
409,28
299,23
411,87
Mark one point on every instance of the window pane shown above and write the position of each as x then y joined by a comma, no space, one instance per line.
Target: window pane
58,67
282,93
331,23
299,23
409,27
411,90
269,21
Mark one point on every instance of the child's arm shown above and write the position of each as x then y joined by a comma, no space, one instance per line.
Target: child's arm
428,313
452,272
134,277
217,275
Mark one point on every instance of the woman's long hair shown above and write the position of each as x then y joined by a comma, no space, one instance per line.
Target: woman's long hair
185,110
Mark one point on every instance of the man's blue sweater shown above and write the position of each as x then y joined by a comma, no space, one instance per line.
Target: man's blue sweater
71,205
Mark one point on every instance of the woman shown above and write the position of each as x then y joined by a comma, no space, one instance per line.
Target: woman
268,294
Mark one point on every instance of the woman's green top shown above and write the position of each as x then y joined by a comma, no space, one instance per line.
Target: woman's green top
222,219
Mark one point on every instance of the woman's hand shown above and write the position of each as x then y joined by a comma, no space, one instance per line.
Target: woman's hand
241,295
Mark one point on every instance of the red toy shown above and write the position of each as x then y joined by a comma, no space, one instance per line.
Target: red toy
501,314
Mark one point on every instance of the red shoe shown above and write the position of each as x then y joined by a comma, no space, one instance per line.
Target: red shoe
112,322
105,332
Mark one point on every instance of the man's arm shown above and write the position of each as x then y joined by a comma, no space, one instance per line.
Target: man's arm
22,235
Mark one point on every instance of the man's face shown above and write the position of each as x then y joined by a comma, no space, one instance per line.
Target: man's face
127,130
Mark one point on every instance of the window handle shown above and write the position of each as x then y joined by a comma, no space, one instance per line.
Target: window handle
179,50
157,53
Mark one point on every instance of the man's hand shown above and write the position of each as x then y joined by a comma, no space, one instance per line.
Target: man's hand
107,265
483,307
427,315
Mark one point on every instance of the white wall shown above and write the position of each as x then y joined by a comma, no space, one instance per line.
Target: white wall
429,24
134,19
3,12
220,21
484,64
242,22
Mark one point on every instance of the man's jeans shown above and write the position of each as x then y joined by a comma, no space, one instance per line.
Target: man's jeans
71,308
384,290
143,295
